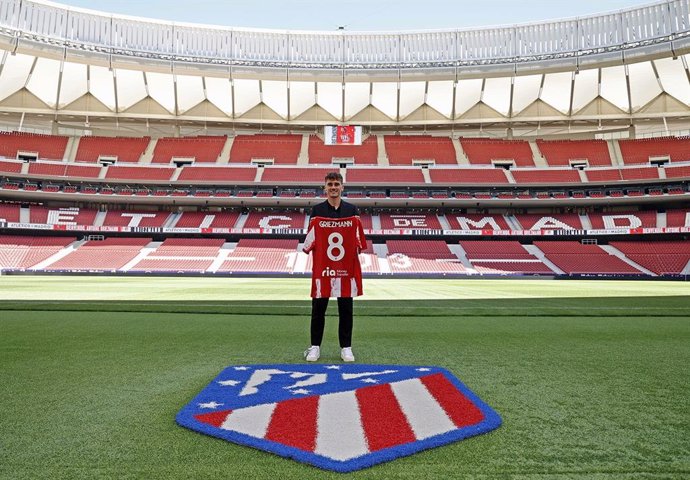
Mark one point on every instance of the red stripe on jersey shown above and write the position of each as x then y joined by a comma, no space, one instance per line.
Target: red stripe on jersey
294,423
458,407
385,424
213,418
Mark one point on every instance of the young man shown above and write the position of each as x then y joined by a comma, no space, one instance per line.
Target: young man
334,207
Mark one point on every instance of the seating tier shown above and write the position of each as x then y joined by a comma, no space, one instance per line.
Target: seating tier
403,150
365,154
126,149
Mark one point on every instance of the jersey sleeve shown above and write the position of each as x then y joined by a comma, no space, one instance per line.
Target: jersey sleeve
361,239
311,237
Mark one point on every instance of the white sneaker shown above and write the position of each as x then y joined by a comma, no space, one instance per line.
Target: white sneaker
347,355
313,353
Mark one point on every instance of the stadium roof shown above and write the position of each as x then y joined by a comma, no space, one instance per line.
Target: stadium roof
605,71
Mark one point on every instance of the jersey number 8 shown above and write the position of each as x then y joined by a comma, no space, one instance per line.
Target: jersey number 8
335,244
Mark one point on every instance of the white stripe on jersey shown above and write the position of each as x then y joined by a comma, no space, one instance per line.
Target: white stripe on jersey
336,287
340,434
251,420
426,417
353,287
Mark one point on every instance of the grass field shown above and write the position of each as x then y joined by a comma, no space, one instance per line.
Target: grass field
591,378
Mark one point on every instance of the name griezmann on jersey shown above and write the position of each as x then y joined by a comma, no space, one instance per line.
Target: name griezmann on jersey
335,224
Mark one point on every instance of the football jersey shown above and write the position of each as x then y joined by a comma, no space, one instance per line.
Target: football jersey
335,244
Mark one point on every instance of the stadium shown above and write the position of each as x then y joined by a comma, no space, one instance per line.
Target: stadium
524,191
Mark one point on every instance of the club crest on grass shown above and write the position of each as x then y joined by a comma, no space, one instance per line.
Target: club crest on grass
338,417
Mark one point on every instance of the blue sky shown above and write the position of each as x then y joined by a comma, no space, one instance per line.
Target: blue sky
366,15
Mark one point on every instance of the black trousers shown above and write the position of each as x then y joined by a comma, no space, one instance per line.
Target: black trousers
318,320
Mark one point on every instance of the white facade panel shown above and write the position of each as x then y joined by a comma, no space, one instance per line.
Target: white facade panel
162,89
614,87
673,78
497,94
102,85
525,91
14,74
586,88
411,97
275,96
440,97
644,86
190,92
73,83
44,81
384,96
247,95
467,94
356,98
130,88
557,90
302,97
329,96
219,93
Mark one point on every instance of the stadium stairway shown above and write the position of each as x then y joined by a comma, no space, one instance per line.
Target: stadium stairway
661,218
534,250
539,160
513,222
176,174
381,251
143,253
617,253
301,260
147,157
444,222
241,220
224,157
584,220
71,150
460,252
615,153
303,157
686,270
382,158
100,219
460,156
172,220
24,215
59,255
376,223
223,254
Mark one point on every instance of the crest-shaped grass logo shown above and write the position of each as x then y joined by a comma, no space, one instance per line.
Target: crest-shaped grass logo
338,417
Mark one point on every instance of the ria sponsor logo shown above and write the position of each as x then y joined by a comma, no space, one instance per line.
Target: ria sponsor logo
332,224
329,272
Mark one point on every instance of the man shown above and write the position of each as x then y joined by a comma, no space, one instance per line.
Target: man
335,207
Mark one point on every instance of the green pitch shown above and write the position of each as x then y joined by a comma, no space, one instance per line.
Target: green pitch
591,378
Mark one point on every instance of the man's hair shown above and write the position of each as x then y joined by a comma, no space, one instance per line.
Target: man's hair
334,176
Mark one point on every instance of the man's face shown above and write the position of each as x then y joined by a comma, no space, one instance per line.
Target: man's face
333,188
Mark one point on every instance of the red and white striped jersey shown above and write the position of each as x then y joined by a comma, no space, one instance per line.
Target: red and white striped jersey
335,244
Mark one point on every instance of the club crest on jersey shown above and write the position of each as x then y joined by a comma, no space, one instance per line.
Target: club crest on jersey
338,417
